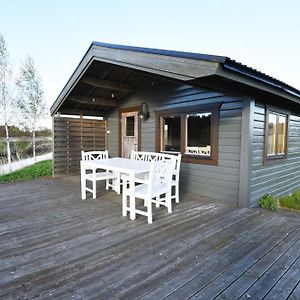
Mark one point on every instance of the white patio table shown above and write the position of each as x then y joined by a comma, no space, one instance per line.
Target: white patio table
127,166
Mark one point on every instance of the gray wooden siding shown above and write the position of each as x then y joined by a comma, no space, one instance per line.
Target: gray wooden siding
70,137
281,177
219,182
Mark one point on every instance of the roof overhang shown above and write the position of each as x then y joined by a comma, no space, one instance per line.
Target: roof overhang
129,63
248,77
162,65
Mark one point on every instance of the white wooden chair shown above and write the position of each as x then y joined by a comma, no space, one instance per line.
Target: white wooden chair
151,191
175,178
96,175
153,156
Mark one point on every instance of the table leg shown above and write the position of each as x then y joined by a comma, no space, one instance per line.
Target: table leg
118,183
131,196
124,198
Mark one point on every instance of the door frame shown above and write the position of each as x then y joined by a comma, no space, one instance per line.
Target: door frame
125,110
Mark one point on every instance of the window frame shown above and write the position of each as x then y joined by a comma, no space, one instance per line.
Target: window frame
182,112
277,157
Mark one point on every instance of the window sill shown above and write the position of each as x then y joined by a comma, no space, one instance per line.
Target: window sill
269,160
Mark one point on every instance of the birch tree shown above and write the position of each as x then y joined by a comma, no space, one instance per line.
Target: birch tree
31,101
6,100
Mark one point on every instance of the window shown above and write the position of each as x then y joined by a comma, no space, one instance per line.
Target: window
171,133
276,135
198,134
130,126
193,132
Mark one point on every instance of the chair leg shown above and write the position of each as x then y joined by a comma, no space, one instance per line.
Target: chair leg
124,205
177,193
169,202
94,189
107,184
149,210
94,184
117,183
83,186
157,199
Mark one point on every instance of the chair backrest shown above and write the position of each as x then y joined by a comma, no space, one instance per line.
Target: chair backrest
161,173
154,156
142,155
94,155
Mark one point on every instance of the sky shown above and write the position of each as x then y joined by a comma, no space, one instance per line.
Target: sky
262,34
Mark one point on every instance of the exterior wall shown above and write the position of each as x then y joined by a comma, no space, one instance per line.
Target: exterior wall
280,177
220,182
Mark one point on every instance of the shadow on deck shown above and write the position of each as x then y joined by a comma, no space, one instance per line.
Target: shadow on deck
56,246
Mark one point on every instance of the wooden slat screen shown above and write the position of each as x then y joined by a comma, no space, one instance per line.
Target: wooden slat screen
71,136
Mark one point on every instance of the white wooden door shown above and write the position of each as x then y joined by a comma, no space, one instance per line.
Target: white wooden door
129,133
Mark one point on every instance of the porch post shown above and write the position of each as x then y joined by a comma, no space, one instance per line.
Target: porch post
246,152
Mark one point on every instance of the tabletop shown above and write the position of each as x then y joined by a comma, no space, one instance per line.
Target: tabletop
123,165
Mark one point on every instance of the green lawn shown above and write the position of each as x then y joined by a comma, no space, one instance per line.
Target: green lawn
39,169
292,201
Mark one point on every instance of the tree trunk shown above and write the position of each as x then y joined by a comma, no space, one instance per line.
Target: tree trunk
8,147
33,143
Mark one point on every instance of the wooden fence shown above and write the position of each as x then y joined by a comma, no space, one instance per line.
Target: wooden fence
70,137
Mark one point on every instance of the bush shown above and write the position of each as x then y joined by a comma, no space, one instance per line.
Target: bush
268,201
292,201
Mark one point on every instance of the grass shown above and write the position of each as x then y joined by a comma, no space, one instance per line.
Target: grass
292,201
39,169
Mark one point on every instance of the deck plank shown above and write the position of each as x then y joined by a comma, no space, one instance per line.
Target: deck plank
266,282
234,272
56,246
211,282
169,247
111,267
211,250
240,286
284,288
167,284
295,295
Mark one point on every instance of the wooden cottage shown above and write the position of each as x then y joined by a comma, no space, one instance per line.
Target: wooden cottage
237,128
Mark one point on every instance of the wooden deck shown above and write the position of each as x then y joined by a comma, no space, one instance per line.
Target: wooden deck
56,246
